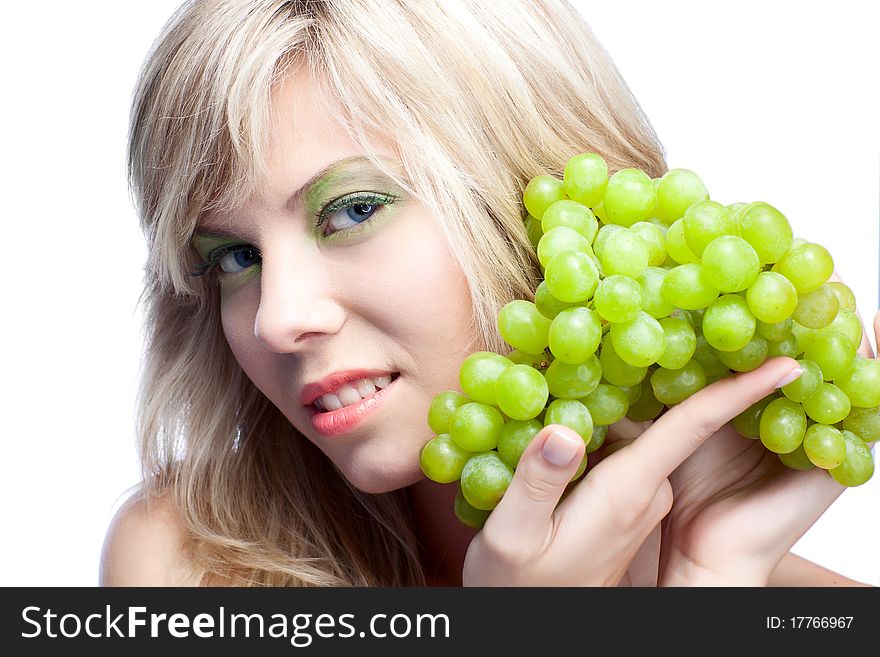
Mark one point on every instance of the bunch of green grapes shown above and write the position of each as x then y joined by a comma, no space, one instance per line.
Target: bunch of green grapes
651,291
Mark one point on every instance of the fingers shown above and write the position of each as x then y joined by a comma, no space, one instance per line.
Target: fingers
877,332
544,470
805,496
680,431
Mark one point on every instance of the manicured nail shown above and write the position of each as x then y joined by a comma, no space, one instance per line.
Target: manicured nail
788,378
559,449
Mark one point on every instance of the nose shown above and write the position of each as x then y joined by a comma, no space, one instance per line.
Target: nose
296,301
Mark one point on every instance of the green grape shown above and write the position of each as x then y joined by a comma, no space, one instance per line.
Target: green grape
706,356
515,437
573,215
572,414
677,247
787,347
599,211
733,210
484,480
521,392
797,460
607,404
677,191
833,352
581,469
467,514
848,323
782,425
534,230
632,392
640,341
804,336
680,341
629,197
865,422
728,324
597,439
703,222
571,276
523,327
475,427
572,381
774,332
674,386
624,252
653,302
862,382
772,298
538,361
858,466
585,178
686,286
547,304
654,237
828,405
747,423
806,384
766,229
730,264
478,373
575,334
602,236
647,406
807,266
844,295
442,459
693,317
618,298
540,193
816,309
559,240
441,409
748,358
824,446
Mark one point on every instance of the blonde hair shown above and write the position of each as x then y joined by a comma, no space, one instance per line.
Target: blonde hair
479,97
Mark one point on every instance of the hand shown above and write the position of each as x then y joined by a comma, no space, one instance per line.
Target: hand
738,509
590,538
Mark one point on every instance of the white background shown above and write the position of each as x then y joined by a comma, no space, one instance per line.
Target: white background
771,101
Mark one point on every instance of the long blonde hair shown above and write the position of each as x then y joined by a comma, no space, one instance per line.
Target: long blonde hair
479,97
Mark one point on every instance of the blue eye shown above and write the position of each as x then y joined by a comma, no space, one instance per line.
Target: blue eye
237,259
351,211
230,258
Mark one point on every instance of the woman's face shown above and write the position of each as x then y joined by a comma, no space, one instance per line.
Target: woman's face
374,287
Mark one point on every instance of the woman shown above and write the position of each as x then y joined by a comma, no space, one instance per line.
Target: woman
345,179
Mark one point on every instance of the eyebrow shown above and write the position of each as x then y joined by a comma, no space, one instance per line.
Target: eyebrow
298,196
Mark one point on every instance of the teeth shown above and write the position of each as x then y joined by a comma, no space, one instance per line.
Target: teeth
348,395
330,402
352,393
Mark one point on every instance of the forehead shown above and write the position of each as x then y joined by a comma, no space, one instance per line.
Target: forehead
306,141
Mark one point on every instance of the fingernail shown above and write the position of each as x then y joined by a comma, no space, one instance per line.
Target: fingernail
559,449
788,378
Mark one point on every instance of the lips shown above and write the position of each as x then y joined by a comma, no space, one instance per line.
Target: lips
346,419
332,382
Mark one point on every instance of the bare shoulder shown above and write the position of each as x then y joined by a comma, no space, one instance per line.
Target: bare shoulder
143,546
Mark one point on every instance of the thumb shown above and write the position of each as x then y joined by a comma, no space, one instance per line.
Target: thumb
545,468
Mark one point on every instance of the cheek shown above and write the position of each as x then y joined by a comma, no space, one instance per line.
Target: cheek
427,298
238,310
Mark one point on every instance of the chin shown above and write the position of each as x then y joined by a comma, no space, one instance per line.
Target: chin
376,476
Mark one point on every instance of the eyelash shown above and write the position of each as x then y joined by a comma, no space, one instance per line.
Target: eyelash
343,203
